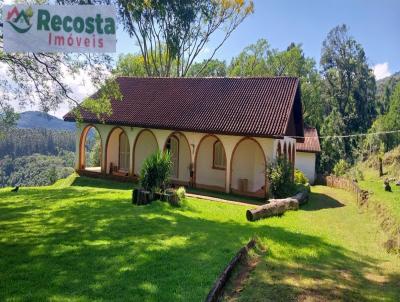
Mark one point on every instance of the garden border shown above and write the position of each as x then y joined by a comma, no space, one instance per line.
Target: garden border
218,287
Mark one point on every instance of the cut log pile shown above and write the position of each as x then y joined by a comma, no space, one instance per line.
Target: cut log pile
276,207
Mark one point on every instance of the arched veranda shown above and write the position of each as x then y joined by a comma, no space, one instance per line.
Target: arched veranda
145,145
178,145
210,164
117,152
248,169
90,150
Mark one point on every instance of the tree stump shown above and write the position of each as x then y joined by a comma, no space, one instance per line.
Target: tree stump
387,186
141,197
135,194
380,167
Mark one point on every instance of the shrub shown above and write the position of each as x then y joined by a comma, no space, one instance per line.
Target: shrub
299,177
341,168
156,171
181,192
356,173
279,175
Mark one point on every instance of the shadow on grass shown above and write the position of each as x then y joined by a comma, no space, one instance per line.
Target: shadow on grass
321,202
83,181
227,196
103,248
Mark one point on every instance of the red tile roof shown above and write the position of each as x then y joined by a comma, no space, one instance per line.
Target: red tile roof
311,141
237,106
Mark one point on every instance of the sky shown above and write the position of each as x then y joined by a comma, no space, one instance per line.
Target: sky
373,23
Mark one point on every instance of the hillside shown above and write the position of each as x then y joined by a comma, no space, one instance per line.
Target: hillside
41,120
384,89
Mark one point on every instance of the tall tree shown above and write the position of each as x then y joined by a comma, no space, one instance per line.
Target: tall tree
178,30
130,65
214,68
388,122
252,61
260,60
348,87
349,83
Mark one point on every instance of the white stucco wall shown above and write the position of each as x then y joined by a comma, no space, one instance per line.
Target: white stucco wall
113,149
305,162
184,159
205,173
248,163
146,144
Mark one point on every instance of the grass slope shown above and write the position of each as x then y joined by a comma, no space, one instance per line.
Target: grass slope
331,253
82,240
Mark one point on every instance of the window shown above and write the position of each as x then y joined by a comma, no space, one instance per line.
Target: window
123,152
219,156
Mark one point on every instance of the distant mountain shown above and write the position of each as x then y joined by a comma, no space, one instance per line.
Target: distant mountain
41,120
393,78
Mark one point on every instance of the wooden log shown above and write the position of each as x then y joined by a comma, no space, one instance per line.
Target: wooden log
277,207
216,292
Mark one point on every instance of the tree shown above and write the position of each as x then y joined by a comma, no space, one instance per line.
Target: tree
260,60
349,83
348,90
8,118
252,61
94,151
171,34
388,122
130,65
332,147
214,68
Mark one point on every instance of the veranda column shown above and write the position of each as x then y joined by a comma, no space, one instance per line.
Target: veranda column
229,143
228,172
104,131
78,147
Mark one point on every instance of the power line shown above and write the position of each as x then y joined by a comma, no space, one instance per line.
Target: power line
349,135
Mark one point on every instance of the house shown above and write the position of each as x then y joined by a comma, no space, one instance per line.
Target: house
306,153
221,132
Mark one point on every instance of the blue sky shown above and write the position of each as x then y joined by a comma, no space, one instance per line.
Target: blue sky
373,23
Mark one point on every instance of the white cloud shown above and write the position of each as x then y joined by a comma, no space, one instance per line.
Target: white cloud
381,70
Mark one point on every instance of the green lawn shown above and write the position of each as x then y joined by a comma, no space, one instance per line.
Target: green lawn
391,200
82,240
331,251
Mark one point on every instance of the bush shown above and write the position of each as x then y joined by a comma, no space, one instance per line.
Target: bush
181,192
341,168
356,173
156,171
279,175
299,177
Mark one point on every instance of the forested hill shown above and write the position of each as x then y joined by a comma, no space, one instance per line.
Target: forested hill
41,120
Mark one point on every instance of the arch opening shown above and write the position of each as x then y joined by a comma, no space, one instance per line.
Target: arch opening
90,150
248,166
145,145
118,152
208,175
178,145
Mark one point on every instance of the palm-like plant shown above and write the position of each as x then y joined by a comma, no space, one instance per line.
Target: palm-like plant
156,171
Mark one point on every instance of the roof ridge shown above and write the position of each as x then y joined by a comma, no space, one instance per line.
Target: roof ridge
209,78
